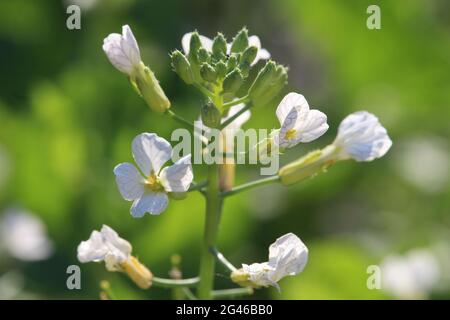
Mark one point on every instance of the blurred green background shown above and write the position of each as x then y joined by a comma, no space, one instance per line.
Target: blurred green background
67,117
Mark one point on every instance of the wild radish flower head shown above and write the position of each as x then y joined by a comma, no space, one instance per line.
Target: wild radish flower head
362,137
287,257
122,50
207,43
106,245
298,122
148,188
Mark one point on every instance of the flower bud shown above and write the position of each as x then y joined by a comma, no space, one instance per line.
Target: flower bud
248,56
211,116
203,55
233,81
194,45
263,79
182,67
240,42
221,69
268,83
208,73
138,272
232,62
219,46
308,166
150,89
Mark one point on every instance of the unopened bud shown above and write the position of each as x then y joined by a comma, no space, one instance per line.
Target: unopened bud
232,62
221,69
308,166
182,67
208,73
240,42
203,55
263,79
211,116
233,81
150,89
219,46
248,56
138,272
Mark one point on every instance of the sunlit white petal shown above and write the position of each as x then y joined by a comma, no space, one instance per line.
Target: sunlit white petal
186,41
129,181
151,202
150,152
178,177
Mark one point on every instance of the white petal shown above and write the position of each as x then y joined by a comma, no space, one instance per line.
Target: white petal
291,100
288,255
259,274
263,54
186,41
129,180
112,46
178,177
119,248
362,137
93,249
130,46
153,203
289,123
150,152
310,125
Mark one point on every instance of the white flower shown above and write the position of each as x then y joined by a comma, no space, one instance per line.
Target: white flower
362,137
23,236
148,188
288,256
411,276
123,50
105,245
207,43
298,122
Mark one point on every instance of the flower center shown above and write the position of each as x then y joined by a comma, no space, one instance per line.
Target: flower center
153,183
290,134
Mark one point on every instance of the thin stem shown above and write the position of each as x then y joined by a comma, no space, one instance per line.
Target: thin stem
251,185
244,99
204,90
223,260
198,186
234,117
230,293
171,283
180,119
207,263
188,293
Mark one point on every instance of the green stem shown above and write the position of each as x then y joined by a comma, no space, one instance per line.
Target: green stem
198,186
221,258
188,293
181,120
251,185
171,283
205,91
207,263
232,118
230,293
244,99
